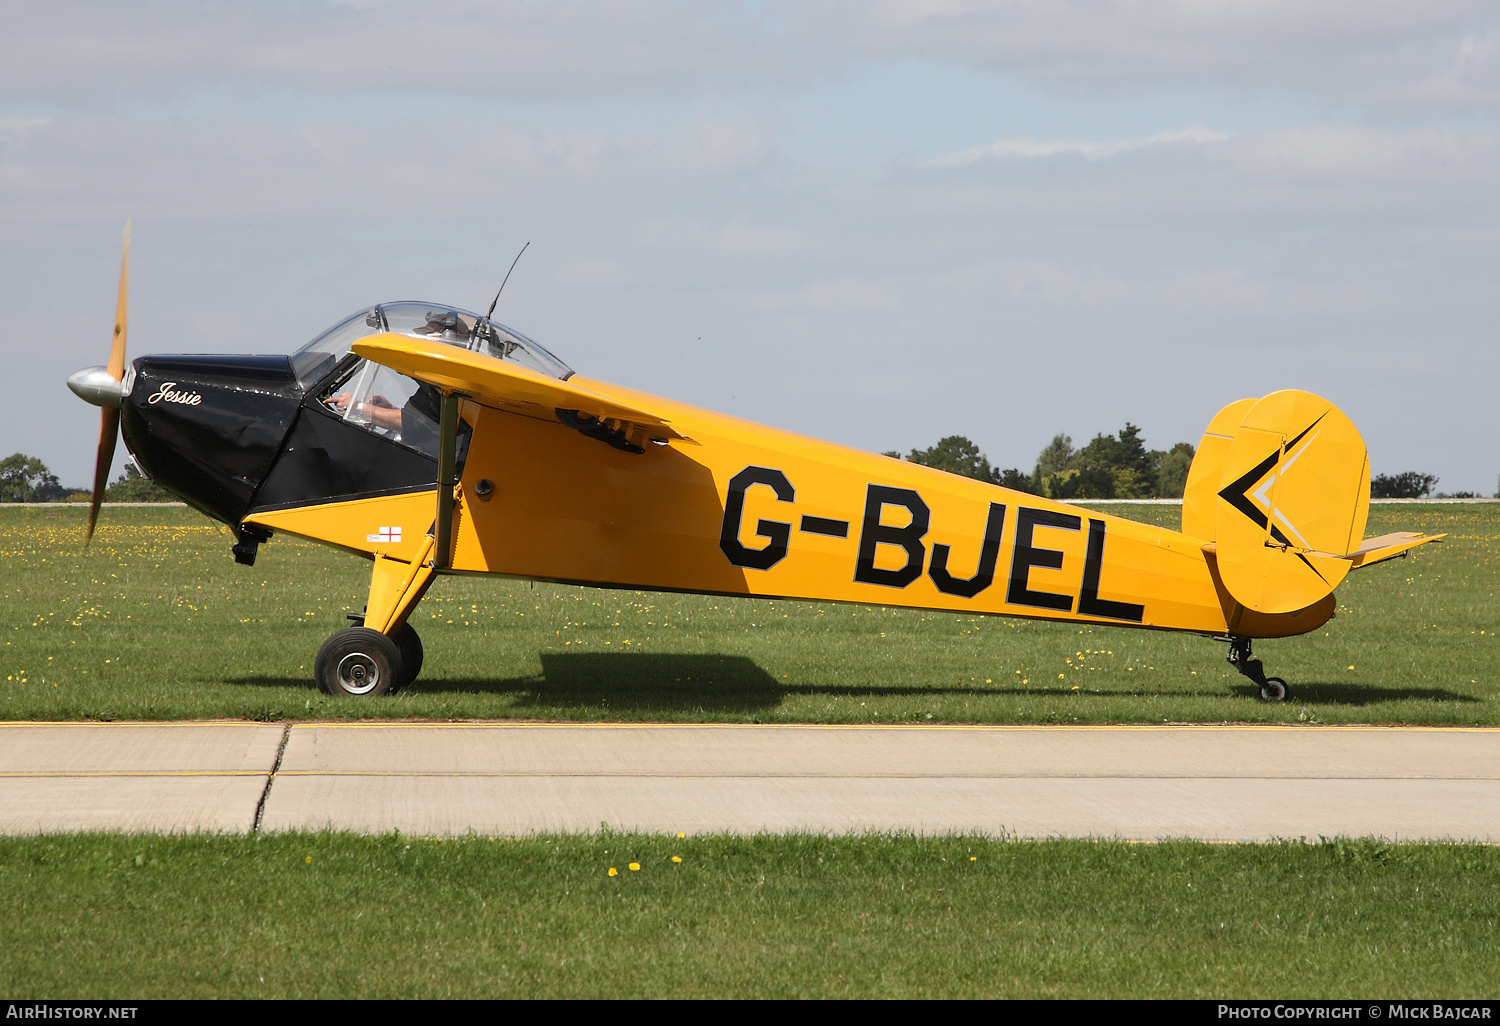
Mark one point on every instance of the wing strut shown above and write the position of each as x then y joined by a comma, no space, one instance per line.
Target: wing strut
442,548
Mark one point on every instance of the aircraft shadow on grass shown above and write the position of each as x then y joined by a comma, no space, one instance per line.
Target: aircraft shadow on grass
644,680
663,681
735,683
1360,694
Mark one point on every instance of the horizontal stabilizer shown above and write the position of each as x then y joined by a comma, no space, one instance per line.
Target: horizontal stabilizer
1389,546
504,385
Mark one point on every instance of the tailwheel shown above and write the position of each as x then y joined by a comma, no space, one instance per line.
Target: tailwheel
410,647
1273,690
359,662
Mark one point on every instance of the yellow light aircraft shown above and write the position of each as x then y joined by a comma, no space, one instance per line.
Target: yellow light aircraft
431,441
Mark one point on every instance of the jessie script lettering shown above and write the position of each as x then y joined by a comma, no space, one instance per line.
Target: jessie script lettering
169,394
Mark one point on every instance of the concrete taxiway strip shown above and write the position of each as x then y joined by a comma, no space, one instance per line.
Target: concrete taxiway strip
1146,783
1220,783
156,777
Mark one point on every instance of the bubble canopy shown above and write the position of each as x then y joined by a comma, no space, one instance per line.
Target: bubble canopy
424,320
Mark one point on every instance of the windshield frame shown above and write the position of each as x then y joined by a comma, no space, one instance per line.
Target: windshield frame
315,360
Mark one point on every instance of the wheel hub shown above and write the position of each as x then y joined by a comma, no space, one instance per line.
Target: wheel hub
358,673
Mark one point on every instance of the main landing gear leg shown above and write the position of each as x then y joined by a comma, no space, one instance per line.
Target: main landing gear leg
383,654
1272,689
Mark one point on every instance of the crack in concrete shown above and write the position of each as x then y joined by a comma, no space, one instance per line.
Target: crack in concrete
260,806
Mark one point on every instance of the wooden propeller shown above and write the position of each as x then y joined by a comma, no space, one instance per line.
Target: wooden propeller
109,416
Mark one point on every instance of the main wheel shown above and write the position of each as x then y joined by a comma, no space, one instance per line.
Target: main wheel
1273,690
359,662
410,647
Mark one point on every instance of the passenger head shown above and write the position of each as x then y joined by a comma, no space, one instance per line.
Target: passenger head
446,325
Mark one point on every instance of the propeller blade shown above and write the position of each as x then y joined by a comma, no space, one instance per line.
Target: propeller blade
116,363
109,421
109,431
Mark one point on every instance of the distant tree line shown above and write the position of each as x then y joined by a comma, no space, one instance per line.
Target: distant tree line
1413,485
1410,485
1120,466
26,479
1115,466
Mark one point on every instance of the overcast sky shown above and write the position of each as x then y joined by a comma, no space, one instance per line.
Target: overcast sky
877,223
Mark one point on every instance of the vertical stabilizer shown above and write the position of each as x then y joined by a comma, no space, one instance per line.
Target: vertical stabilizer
1201,494
1292,498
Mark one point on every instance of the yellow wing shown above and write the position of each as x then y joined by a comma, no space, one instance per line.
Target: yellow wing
507,386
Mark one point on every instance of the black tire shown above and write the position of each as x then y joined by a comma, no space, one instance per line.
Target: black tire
410,646
358,662
1273,690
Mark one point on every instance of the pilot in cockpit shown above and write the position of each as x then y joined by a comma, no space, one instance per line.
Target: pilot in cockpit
376,410
414,421
394,405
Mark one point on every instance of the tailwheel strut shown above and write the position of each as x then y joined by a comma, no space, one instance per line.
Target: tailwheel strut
1272,689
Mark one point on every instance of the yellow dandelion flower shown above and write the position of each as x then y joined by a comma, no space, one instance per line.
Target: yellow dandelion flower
676,858
635,867
613,871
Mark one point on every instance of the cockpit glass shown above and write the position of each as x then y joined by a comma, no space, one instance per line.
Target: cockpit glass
424,320
391,405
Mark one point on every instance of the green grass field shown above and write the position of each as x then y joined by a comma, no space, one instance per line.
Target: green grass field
156,621
329,915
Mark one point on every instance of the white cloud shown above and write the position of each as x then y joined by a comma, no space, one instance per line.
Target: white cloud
14,130
285,168
1379,53
1384,55
218,167
1008,298
1064,147
161,49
